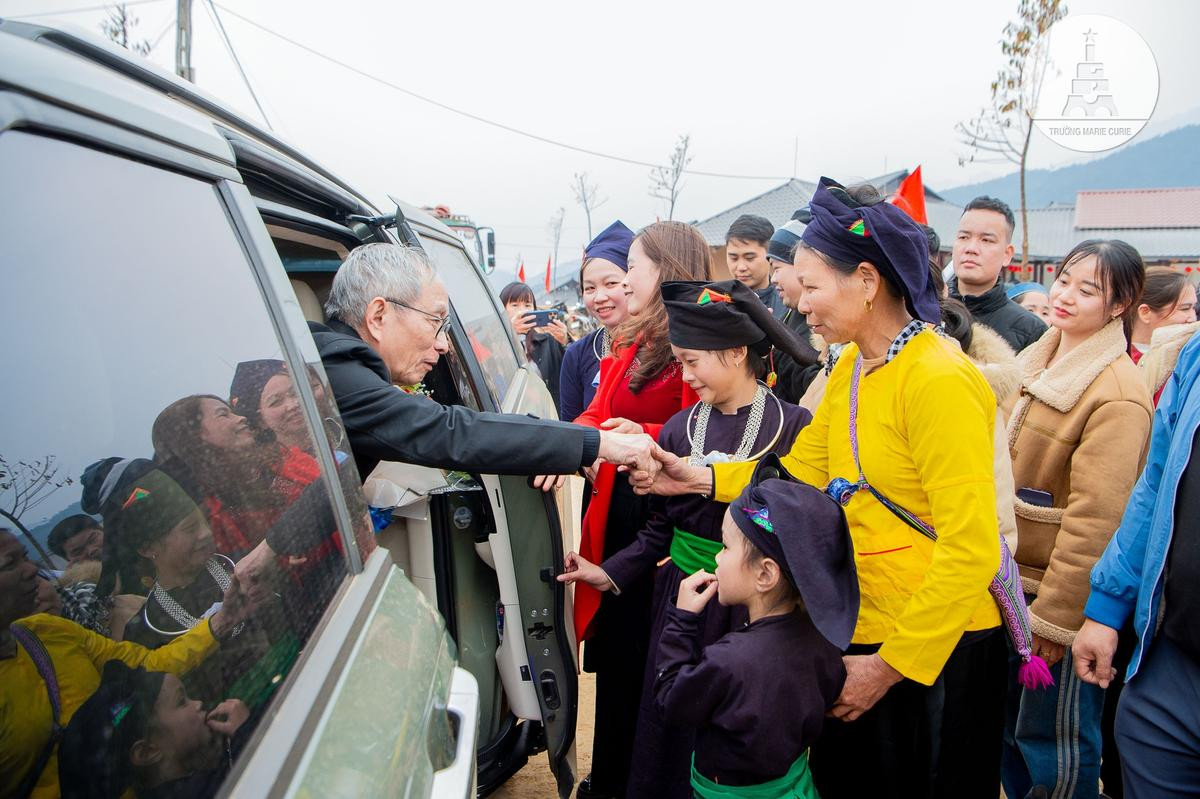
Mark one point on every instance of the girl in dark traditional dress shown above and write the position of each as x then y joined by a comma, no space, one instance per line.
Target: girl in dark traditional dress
722,335
641,387
163,531
757,697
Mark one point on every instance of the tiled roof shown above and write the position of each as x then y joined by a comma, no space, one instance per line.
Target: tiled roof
777,205
1138,208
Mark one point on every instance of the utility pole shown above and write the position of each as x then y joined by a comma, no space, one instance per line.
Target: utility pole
183,40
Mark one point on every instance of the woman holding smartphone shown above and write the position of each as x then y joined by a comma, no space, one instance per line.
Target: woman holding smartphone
544,344
1078,435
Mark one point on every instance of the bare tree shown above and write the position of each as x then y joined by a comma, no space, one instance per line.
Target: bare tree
24,486
554,227
586,194
118,27
1003,130
665,182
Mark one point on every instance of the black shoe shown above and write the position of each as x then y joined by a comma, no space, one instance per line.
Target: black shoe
587,791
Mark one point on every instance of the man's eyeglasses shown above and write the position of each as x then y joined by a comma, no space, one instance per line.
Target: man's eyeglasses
443,322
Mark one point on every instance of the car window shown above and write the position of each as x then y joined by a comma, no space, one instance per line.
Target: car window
146,388
486,328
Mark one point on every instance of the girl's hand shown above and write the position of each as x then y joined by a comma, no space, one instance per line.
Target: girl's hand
1048,650
619,425
521,323
236,607
579,569
696,591
226,717
549,482
557,329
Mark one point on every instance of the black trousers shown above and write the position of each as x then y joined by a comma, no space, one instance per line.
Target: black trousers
1110,758
941,740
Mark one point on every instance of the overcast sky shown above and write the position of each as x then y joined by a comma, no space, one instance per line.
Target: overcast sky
773,89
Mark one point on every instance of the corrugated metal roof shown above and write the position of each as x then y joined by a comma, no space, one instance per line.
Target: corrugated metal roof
1138,208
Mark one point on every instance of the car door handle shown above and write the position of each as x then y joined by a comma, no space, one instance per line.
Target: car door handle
458,778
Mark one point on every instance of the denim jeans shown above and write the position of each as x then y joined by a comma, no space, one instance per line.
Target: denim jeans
1052,736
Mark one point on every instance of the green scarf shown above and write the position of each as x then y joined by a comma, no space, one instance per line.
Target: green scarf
796,784
691,553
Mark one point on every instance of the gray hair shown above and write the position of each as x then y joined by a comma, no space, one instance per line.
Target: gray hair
377,270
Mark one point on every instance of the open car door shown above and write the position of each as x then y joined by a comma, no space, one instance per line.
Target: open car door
487,548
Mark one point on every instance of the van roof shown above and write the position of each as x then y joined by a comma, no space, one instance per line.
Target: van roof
73,67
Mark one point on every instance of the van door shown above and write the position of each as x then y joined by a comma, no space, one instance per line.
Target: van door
537,651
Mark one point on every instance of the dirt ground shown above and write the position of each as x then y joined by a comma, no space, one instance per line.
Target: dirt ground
535,780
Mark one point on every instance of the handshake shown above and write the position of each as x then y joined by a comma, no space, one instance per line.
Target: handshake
651,469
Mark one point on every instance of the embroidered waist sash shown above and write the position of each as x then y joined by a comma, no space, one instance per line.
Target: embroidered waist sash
796,784
691,552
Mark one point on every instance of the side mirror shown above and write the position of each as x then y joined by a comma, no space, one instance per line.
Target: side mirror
489,249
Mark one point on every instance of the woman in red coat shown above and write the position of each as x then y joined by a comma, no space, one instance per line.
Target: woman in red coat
640,388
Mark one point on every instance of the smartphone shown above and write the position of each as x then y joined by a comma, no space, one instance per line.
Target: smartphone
1033,496
541,318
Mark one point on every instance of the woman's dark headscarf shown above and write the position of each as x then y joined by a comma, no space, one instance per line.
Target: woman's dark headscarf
881,234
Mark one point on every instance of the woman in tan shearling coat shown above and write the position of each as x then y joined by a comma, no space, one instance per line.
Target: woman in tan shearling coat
1077,434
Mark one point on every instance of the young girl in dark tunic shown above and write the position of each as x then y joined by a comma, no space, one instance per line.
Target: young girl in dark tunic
162,529
758,696
721,333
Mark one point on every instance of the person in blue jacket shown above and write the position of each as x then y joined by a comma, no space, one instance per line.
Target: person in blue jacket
602,278
1151,571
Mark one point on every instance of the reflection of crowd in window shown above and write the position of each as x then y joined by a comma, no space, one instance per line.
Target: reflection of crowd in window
144,663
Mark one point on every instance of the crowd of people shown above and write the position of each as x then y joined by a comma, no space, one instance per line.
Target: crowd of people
142,663
981,441
850,529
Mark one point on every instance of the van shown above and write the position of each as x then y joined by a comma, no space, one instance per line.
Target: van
162,256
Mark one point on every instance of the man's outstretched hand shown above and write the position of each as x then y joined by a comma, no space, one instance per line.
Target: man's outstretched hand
634,451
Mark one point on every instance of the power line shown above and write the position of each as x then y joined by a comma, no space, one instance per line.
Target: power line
80,10
237,61
158,39
476,117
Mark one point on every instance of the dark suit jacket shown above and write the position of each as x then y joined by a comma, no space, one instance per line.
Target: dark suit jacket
384,423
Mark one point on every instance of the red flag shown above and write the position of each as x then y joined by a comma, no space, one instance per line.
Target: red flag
548,288
910,197
521,271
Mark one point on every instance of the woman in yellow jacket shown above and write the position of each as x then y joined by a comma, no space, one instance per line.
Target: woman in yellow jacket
908,419
32,648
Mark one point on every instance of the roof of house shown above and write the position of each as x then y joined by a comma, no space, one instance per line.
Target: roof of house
1138,208
777,205
1161,223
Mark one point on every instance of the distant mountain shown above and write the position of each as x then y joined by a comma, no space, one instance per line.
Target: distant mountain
1171,160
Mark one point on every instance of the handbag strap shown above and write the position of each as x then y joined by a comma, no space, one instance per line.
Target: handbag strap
45,668
848,490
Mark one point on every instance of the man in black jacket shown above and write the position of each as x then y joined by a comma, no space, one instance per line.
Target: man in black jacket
982,248
388,313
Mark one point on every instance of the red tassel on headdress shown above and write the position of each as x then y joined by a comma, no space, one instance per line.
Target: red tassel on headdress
772,378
